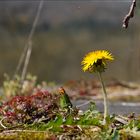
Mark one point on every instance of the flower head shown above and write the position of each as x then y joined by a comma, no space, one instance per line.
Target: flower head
96,61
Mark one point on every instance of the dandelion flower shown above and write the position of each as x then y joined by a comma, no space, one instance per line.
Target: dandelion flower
96,61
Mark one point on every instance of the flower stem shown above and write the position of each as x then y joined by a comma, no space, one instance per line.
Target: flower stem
105,97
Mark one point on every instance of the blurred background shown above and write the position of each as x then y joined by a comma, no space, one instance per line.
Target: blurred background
65,32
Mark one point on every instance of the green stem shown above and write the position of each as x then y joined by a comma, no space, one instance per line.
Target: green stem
104,96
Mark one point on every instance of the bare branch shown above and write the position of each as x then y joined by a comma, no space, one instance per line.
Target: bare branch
25,57
29,43
129,15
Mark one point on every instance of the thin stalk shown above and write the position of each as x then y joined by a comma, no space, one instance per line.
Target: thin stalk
29,42
28,55
104,96
25,56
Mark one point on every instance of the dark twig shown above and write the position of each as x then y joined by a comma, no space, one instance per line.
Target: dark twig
129,15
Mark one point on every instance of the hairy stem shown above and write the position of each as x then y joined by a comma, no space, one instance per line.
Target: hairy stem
104,96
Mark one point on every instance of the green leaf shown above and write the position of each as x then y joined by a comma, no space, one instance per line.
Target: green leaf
58,120
65,101
69,120
115,135
92,106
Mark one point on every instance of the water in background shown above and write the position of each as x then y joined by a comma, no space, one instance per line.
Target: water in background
65,32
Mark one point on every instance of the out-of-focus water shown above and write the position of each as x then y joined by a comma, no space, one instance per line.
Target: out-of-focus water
123,108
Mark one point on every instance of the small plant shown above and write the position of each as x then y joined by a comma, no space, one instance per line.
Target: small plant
96,61
64,99
27,109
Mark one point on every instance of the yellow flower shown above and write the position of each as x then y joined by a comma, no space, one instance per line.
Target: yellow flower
96,61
